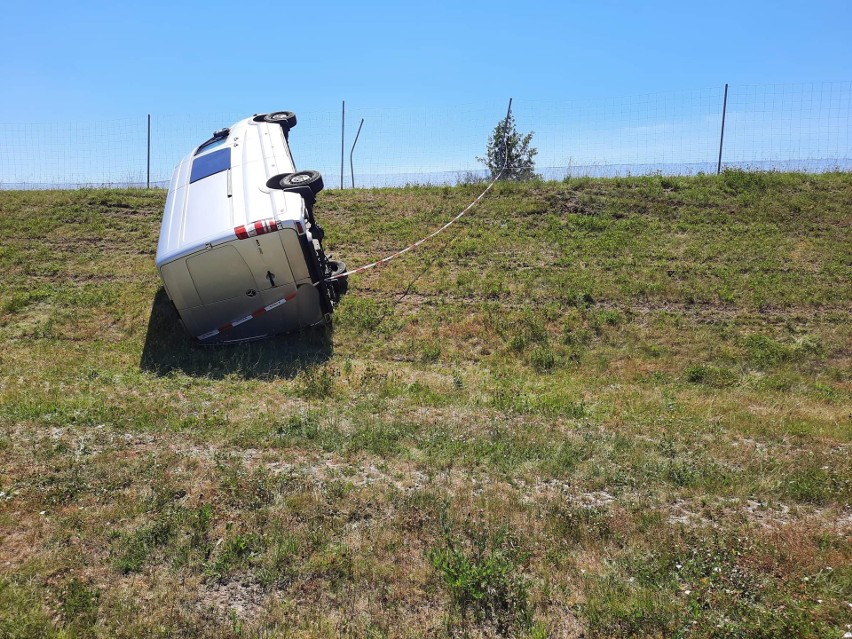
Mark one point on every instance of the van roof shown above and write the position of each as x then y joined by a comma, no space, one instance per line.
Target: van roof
222,185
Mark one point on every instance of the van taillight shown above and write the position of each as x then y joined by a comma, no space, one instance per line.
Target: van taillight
300,229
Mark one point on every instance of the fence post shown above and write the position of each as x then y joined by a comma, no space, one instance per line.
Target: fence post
342,128
351,165
722,136
148,181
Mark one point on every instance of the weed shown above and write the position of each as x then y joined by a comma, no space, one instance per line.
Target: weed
766,352
712,376
136,548
18,302
378,438
682,472
431,352
543,359
582,300
458,381
235,553
318,382
564,458
606,318
576,336
80,603
518,342
652,350
300,426
522,330
22,612
279,562
199,539
335,563
816,484
739,181
246,488
481,570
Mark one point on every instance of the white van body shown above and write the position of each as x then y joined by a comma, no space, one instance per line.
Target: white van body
233,241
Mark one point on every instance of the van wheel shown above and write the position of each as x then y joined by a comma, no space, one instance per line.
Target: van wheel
311,179
287,119
342,284
275,181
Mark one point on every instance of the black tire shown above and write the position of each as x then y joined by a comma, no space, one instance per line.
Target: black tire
286,119
342,284
310,179
275,181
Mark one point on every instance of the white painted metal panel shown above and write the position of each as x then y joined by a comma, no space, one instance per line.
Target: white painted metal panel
220,274
208,210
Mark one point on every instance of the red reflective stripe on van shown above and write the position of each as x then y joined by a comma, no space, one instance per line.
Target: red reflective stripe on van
254,229
225,327
258,312
290,296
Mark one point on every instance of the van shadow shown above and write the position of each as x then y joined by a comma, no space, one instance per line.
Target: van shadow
169,349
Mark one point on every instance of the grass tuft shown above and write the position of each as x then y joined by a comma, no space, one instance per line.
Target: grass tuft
482,573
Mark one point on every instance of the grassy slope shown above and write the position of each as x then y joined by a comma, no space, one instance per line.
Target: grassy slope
618,407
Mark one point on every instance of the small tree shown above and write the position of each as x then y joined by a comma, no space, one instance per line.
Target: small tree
515,152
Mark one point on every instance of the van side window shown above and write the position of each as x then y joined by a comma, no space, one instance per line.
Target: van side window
212,143
209,164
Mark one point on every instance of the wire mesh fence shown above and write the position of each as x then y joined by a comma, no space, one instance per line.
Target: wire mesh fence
803,127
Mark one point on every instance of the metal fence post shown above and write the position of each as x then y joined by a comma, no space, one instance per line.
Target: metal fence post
342,128
148,181
722,136
351,165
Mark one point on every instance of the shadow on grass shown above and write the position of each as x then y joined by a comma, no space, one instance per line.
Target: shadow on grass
168,349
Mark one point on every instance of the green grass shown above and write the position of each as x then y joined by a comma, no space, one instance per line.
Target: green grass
614,408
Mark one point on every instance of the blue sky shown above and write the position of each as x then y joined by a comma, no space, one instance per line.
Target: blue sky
107,59
74,62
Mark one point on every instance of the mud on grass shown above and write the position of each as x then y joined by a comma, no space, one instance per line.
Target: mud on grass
616,407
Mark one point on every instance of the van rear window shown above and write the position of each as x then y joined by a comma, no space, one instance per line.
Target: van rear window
209,164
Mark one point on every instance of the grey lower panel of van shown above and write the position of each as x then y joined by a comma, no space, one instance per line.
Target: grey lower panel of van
303,310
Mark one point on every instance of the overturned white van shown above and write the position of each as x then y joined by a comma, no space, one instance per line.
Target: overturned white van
240,252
